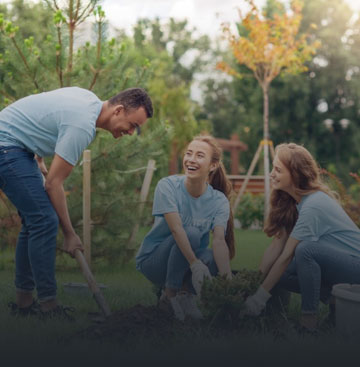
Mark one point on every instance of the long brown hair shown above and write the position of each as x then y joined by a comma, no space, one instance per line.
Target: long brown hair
305,175
219,181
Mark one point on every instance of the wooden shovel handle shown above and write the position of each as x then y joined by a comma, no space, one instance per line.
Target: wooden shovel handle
95,290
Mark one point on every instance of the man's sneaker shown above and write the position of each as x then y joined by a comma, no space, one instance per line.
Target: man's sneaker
32,310
188,304
59,312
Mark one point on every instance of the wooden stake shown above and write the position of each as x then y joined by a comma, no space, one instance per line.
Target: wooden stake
267,179
264,144
87,205
143,196
272,150
247,178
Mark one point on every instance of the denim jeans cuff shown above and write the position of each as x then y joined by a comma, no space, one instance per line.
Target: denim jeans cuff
25,291
46,299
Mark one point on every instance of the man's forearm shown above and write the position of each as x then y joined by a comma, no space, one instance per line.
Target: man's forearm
58,199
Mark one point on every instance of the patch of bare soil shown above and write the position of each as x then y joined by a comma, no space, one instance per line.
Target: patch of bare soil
139,321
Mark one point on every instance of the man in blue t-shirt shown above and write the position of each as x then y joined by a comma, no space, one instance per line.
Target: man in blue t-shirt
60,123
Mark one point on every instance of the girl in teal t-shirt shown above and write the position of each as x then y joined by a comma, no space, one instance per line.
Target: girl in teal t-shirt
315,245
186,209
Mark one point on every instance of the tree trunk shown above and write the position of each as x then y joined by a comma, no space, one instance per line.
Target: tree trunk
266,150
72,22
173,163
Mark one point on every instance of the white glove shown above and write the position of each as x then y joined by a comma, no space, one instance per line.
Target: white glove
199,272
256,303
178,311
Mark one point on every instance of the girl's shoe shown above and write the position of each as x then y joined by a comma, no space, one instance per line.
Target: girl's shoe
188,304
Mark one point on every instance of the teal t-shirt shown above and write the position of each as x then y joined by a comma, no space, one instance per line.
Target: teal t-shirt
205,212
321,218
62,121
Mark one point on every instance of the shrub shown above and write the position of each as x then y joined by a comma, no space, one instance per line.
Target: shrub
251,210
348,198
223,299
9,223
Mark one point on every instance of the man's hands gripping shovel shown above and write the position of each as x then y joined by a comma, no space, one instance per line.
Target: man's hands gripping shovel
72,243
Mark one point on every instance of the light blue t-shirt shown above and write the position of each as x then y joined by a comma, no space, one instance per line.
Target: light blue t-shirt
321,218
205,212
61,121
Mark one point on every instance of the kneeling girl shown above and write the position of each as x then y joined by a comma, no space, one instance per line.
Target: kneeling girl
186,209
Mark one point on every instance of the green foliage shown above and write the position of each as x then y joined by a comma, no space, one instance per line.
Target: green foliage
50,60
234,105
250,210
223,298
167,46
348,198
354,189
9,223
41,59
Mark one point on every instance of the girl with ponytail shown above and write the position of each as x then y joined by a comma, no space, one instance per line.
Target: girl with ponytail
315,245
186,209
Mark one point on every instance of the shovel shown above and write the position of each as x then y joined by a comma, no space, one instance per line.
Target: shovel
95,290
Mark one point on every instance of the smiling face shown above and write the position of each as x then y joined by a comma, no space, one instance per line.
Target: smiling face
197,160
123,122
280,176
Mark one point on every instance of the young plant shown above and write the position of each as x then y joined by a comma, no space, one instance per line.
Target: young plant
222,300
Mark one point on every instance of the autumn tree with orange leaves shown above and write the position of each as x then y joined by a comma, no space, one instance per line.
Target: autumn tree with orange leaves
269,46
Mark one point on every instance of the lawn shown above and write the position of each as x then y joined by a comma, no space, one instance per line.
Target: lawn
24,340
125,285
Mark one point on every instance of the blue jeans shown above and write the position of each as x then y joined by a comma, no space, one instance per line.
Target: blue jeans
315,268
21,181
167,266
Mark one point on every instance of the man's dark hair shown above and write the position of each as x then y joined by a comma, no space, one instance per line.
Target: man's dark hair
133,98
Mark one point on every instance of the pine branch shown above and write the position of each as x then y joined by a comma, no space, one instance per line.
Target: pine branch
86,12
78,3
71,26
59,69
24,61
98,55
6,95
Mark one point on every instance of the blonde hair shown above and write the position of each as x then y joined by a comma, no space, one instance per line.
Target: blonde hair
219,181
305,175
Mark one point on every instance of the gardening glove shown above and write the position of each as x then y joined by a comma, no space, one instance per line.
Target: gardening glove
199,272
256,303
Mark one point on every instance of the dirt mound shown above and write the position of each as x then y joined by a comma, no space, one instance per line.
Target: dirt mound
138,321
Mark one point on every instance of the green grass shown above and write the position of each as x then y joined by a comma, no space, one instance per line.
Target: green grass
125,288
250,246
125,285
